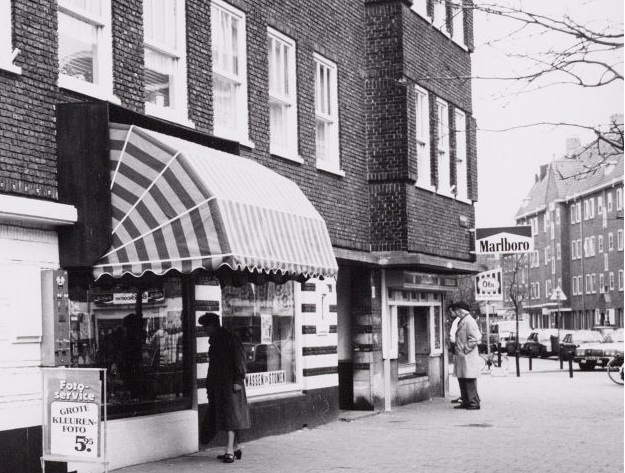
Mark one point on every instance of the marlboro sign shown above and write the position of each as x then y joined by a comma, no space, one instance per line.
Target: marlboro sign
503,240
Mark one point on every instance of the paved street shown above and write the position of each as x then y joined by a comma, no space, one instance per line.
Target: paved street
541,422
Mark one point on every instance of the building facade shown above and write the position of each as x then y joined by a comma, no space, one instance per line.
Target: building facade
575,209
116,119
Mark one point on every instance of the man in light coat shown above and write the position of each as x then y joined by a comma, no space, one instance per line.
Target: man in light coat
467,364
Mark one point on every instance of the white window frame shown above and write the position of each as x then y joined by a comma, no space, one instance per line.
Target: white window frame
558,251
602,283
421,8
440,16
332,162
553,265
289,100
578,207
592,208
600,243
239,132
558,216
443,155
547,252
7,53
592,245
457,18
588,287
611,280
610,241
609,201
423,138
600,205
620,279
103,89
462,180
573,250
619,199
178,110
573,288
593,282
619,240
606,262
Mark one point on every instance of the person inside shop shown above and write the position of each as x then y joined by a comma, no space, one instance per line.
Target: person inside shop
225,385
130,359
467,362
451,311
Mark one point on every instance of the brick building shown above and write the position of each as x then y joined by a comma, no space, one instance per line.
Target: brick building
575,209
339,132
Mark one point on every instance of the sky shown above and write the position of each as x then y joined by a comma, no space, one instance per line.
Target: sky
508,160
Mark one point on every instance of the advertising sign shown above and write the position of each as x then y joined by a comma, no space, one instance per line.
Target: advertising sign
503,240
72,420
488,286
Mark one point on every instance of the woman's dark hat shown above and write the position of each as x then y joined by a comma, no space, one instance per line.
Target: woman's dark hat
209,318
461,305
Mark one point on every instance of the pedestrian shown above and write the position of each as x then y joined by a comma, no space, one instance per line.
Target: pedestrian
451,311
225,386
467,363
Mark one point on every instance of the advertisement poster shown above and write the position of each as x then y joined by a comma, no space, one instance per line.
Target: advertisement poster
72,414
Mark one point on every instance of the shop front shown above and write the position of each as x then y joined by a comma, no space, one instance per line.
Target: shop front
193,229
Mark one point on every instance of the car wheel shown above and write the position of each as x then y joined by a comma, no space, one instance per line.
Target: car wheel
587,365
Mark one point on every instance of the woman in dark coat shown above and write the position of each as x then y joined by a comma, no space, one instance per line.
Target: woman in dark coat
225,385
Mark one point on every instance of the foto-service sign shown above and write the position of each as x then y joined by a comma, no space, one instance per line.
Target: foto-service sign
503,240
72,422
488,285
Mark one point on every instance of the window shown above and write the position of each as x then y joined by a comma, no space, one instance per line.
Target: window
144,350
6,49
586,209
558,216
593,283
604,219
457,19
586,248
229,71
602,286
591,208
165,59
610,241
591,242
573,211
609,201
578,208
574,285
600,205
558,251
606,262
442,117
537,258
440,15
548,288
600,240
421,7
282,95
419,334
547,252
263,316
553,266
553,230
85,47
574,250
326,114
619,199
422,118
611,278
588,288
461,155
619,240
620,279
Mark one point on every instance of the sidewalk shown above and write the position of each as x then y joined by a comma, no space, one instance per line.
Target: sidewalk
541,422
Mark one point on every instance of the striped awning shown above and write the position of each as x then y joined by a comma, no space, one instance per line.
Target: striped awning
181,206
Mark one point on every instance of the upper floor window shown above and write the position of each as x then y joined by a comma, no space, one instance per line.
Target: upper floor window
85,47
440,15
620,279
619,240
558,216
600,243
578,207
461,155
558,251
592,208
6,49
282,95
229,71
165,58
610,241
421,7
422,118
573,214
546,220
326,114
609,201
619,199
586,209
600,205
457,19
442,118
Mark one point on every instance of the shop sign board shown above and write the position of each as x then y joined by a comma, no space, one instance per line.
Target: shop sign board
73,424
413,280
488,285
499,240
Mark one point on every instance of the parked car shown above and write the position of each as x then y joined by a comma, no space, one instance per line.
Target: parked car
543,343
576,339
512,344
590,355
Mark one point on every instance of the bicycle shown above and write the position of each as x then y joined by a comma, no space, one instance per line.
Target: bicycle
615,369
492,361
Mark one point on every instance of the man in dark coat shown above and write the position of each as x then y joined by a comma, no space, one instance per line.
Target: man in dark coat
225,384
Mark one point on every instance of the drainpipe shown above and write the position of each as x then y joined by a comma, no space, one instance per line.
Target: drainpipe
386,341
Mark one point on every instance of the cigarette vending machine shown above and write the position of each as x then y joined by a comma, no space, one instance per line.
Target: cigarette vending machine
55,346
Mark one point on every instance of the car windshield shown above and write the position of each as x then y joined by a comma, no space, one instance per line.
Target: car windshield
613,337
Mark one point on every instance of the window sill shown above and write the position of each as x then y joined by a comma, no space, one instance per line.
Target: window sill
330,169
294,157
243,141
169,114
86,88
426,187
461,45
8,66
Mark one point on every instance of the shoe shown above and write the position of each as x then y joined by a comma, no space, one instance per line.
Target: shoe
228,458
237,454
456,401
460,406
472,407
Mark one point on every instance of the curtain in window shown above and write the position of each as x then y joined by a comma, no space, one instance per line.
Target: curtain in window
78,48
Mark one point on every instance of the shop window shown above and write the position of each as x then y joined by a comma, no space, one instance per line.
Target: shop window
263,316
165,59
85,47
139,335
419,333
229,71
282,95
326,114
